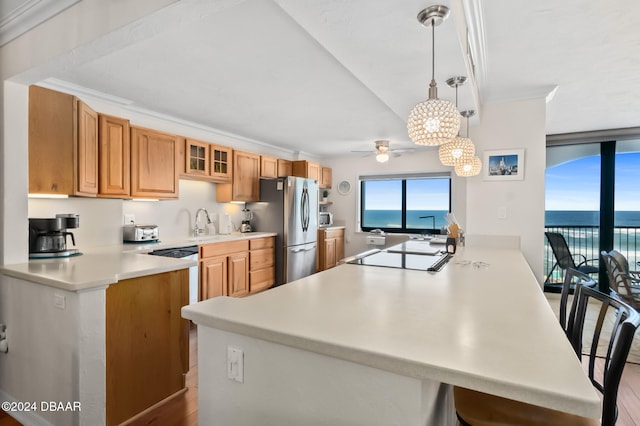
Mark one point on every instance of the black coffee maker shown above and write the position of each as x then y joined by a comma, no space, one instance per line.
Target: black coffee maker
48,237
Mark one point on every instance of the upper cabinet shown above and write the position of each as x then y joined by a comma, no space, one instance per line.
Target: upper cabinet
326,176
221,163
268,167
245,185
307,169
285,167
63,144
310,169
207,161
154,168
115,157
197,158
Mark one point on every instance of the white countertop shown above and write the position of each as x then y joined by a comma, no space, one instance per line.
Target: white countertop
101,266
487,328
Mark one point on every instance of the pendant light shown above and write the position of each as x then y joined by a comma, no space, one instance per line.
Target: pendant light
459,149
434,121
472,166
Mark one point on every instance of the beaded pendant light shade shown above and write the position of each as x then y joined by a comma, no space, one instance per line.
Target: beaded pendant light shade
434,121
472,166
459,149
469,168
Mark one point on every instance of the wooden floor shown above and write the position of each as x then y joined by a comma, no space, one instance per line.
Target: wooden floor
183,410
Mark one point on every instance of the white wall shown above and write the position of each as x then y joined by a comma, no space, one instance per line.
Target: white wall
503,126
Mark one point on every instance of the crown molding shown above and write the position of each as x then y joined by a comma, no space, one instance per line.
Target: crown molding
28,15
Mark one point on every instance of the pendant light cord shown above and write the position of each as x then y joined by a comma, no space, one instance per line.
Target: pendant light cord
433,49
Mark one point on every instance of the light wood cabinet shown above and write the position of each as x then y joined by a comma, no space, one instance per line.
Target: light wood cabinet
245,184
213,276
261,264
147,342
224,269
63,144
238,280
268,167
331,247
236,268
326,177
285,167
306,169
154,169
221,163
115,157
197,158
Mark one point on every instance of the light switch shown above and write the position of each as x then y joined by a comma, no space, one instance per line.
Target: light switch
59,301
502,212
235,364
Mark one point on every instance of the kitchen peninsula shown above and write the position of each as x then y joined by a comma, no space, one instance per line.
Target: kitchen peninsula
374,345
82,324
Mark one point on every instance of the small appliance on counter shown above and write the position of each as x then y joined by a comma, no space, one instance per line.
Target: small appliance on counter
325,219
246,216
140,233
224,224
48,236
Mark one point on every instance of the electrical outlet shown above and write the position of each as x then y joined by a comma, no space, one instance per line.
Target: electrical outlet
129,219
59,301
235,364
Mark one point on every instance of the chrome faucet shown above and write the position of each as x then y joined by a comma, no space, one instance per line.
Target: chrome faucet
197,230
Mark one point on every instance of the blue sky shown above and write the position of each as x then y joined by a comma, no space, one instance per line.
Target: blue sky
423,194
575,185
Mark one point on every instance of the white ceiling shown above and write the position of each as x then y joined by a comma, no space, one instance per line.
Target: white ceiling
329,76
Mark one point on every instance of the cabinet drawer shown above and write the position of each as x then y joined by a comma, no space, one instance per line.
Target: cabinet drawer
333,233
259,259
261,280
260,243
221,249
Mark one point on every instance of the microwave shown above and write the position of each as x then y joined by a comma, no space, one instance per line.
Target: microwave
325,219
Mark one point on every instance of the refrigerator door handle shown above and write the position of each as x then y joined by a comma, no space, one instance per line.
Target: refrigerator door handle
303,249
304,209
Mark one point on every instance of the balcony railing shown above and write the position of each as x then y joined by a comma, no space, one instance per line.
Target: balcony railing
585,240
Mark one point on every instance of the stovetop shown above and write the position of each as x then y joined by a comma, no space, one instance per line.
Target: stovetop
393,258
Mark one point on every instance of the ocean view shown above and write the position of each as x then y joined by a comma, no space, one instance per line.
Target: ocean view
393,218
588,218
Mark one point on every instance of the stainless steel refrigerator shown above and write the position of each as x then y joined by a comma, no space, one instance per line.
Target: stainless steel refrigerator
289,206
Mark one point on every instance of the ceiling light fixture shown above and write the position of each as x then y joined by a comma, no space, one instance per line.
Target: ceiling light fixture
473,165
434,121
459,149
382,151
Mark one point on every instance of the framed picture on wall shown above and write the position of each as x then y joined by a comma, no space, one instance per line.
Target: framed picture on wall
506,164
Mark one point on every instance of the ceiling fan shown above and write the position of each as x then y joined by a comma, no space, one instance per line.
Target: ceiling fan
382,151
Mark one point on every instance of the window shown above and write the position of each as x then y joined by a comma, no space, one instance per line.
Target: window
405,203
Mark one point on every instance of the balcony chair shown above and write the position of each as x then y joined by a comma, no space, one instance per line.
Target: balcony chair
572,278
625,283
565,260
481,409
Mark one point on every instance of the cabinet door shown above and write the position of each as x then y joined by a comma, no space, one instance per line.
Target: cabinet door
154,170
339,248
268,167
115,157
238,274
87,151
285,167
221,163
246,176
313,171
325,177
213,277
197,158
329,254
